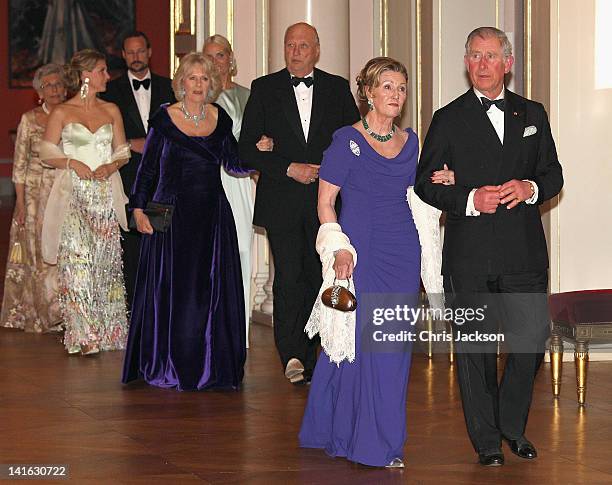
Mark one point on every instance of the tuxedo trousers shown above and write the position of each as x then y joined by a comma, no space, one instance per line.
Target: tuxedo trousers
297,280
516,307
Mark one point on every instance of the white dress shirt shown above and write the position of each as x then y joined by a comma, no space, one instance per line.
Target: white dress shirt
143,98
496,116
303,96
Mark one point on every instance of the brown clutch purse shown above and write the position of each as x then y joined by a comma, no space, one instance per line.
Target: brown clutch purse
339,297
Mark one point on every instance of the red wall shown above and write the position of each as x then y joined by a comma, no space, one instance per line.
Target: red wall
152,17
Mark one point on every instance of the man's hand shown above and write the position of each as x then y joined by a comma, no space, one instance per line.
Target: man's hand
515,192
487,198
265,144
304,173
137,145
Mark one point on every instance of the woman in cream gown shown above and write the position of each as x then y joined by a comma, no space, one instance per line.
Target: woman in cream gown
238,189
85,209
30,300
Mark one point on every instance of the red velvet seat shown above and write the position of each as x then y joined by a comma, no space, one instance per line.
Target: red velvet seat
582,317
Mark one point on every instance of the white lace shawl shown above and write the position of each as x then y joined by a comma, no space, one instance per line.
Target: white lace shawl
336,328
427,221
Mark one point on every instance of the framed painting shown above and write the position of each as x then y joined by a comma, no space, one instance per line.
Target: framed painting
43,31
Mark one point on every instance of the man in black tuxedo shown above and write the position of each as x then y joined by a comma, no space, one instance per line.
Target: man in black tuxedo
495,258
299,107
138,93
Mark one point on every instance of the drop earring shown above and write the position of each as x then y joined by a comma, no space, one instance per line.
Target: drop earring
370,104
84,88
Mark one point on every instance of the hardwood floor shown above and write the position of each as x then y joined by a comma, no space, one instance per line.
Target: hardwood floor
62,409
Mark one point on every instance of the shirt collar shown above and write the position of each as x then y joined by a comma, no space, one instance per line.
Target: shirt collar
480,95
311,74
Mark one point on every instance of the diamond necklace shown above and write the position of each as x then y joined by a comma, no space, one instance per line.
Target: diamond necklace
376,136
195,118
45,108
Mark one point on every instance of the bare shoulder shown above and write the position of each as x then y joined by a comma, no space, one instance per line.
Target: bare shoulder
60,112
174,108
111,108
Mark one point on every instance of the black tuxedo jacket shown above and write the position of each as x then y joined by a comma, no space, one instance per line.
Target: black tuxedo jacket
462,136
120,92
272,110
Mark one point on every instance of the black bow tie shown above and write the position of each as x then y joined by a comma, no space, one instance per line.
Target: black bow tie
145,83
308,81
487,103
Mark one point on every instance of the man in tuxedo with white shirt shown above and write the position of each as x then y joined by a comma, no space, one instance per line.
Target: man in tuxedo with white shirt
495,257
299,107
138,94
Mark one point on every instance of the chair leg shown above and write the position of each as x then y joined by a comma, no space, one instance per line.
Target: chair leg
451,345
581,360
556,363
430,330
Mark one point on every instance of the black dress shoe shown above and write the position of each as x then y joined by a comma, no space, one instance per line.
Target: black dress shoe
491,459
523,448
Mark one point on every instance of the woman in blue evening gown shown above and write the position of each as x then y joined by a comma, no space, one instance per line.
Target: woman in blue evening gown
357,409
187,329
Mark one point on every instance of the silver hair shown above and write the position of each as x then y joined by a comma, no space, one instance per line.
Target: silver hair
484,32
44,71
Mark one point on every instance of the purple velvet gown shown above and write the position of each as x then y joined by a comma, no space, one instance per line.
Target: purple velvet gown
187,329
358,410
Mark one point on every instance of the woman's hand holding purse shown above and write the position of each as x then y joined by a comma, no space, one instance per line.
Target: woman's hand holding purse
143,225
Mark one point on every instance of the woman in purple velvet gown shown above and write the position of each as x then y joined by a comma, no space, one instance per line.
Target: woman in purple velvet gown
187,328
357,409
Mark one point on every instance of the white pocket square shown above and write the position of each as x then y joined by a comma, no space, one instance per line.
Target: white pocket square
530,130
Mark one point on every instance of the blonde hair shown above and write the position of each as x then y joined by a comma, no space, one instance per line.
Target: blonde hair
83,60
369,76
188,61
227,47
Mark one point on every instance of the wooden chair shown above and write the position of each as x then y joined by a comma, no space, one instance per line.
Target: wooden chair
581,317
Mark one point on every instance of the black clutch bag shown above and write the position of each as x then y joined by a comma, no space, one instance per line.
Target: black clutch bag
339,297
160,216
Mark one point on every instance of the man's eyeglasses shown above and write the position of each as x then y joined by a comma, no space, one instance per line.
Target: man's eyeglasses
478,56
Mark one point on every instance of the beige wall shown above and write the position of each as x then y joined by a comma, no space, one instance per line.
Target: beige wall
581,233
452,21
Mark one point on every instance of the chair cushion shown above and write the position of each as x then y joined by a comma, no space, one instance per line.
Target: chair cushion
582,307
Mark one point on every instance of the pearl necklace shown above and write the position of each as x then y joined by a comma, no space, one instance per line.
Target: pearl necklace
196,118
376,136
45,108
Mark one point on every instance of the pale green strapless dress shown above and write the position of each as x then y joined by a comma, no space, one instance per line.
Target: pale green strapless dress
239,193
92,293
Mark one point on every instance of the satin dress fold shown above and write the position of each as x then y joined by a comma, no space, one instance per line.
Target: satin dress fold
187,328
358,410
239,192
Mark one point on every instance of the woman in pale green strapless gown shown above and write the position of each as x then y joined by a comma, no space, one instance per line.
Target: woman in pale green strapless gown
238,189
85,210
